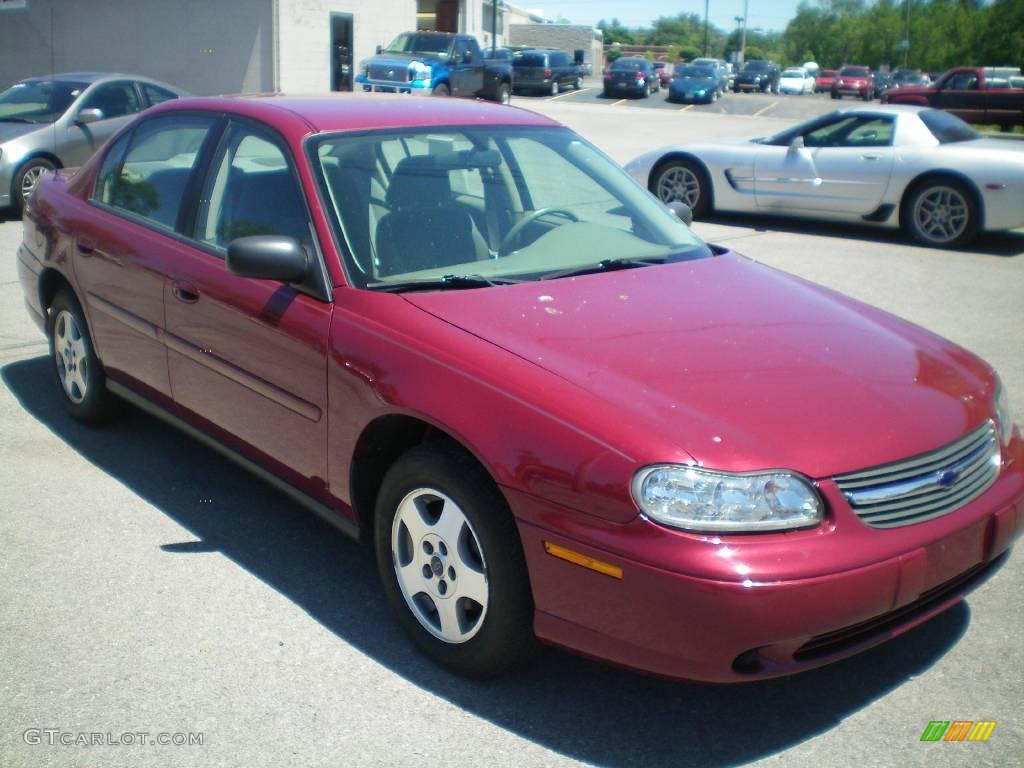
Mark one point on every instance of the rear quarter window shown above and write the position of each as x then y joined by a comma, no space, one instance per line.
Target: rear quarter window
947,128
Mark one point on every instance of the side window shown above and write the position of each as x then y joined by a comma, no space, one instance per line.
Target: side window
875,132
251,190
962,81
150,181
114,100
157,95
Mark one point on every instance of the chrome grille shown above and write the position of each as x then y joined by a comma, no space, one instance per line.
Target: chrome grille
392,73
926,486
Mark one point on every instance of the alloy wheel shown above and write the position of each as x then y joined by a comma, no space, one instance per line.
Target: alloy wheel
439,565
679,184
941,214
71,357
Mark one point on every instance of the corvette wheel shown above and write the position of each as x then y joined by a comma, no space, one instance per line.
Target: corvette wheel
942,214
76,368
682,181
452,563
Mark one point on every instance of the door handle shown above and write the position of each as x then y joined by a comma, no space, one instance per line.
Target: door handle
85,245
872,157
186,292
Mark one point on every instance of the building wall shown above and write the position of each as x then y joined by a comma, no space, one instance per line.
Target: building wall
304,36
566,37
204,47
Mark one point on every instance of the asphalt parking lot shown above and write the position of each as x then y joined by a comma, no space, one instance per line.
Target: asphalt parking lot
147,585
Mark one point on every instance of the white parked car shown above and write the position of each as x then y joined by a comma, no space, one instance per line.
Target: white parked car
796,80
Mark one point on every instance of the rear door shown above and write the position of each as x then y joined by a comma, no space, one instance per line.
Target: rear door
247,358
467,68
127,244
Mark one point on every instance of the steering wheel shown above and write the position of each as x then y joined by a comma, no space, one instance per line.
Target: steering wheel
528,219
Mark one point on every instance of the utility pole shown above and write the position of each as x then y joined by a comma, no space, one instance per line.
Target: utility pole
906,37
705,28
743,34
494,25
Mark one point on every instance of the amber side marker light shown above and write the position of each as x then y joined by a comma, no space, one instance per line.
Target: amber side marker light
578,558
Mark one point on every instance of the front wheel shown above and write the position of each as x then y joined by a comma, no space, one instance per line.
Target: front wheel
76,368
683,181
504,94
442,89
452,563
577,84
26,178
941,213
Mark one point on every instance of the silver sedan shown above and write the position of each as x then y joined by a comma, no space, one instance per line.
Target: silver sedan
59,120
922,169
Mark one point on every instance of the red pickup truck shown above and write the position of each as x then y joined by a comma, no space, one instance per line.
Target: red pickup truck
976,94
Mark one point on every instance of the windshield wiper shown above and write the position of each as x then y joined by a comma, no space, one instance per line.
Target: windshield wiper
16,120
605,265
447,282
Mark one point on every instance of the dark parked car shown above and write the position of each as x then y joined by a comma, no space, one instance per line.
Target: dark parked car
904,77
694,83
462,333
631,76
548,71
882,82
665,70
757,75
854,81
59,120
721,72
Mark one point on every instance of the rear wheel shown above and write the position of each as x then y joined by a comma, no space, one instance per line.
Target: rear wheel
452,562
77,370
941,213
504,94
442,89
554,88
836,95
683,181
577,84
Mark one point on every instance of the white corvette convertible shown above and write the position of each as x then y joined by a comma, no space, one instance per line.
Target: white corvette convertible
922,169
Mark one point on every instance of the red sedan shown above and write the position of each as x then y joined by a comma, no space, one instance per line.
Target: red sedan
854,81
460,331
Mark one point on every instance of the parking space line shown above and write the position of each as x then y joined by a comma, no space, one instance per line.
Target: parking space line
688,106
620,101
762,111
567,93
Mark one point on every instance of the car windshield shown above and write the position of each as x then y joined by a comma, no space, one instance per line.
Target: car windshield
38,101
411,42
947,128
756,66
487,204
794,73
695,72
853,72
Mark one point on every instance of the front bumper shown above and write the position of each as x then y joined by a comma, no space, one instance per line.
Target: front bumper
421,87
739,608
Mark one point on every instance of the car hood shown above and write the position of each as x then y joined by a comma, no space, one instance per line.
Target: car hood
10,131
740,366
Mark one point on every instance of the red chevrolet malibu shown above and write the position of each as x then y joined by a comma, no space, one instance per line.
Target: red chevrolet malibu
460,331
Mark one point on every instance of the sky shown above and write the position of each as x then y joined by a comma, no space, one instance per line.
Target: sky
766,14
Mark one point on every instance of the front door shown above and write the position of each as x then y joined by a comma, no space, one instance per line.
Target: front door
247,358
843,166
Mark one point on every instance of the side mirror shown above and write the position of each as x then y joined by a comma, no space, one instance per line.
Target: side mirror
682,211
90,115
796,144
467,57
268,257
380,48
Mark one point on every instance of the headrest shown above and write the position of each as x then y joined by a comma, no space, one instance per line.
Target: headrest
419,182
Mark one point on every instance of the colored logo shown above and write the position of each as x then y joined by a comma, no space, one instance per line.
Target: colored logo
958,730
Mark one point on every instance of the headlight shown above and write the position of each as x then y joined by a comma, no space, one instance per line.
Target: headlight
1004,418
420,71
697,499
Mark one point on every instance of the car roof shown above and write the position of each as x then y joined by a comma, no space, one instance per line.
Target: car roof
299,115
87,77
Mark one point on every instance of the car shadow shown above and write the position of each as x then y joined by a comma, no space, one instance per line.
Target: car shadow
583,709
9,214
990,244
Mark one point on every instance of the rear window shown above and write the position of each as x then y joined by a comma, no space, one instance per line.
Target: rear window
695,72
947,128
529,60
627,65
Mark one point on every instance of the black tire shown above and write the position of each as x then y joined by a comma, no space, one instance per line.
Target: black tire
687,172
836,95
577,83
504,95
941,212
503,636
442,89
867,97
554,88
95,405
25,179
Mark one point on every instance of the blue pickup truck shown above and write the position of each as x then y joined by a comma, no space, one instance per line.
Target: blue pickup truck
439,64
